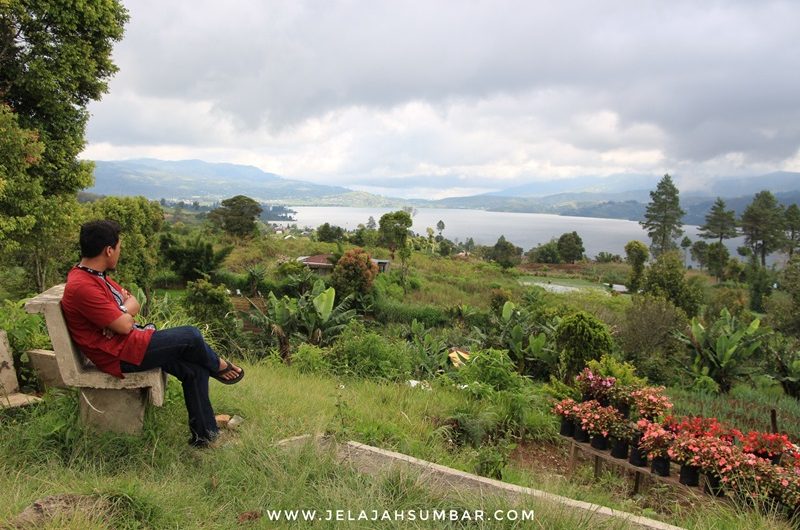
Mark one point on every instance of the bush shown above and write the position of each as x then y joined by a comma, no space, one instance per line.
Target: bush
310,359
367,354
581,337
493,370
25,332
212,306
647,337
354,273
167,279
735,300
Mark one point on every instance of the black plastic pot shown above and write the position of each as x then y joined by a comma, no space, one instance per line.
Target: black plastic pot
567,427
637,457
774,459
660,466
624,409
581,435
713,485
600,442
689,475
619,448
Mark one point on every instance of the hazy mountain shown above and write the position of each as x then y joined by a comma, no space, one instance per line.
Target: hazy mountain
612,184
195,179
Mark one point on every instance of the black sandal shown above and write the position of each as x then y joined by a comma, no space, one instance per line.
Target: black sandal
228,368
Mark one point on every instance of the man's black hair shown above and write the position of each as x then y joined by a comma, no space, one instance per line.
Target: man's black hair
97,235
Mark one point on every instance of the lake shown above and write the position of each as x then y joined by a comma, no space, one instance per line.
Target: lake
525,230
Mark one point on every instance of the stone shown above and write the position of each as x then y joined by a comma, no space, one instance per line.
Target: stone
44,511
115,410
222,420
8,377
46,367
235,422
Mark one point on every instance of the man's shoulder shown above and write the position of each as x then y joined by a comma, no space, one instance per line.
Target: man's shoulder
78,280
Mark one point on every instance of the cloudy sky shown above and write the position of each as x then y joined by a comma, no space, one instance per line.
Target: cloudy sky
439,98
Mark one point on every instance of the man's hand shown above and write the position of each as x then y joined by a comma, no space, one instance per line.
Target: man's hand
131,304
107,333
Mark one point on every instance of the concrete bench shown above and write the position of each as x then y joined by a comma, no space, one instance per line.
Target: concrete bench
106,403
10,396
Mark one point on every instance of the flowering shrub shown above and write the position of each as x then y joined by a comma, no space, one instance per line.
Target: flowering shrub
565,408
685,449
651,401
716,456
656,440
784,485
765,444
699,426
593,385
622,429
621,395
599,420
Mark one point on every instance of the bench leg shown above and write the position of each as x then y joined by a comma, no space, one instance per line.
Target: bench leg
120,411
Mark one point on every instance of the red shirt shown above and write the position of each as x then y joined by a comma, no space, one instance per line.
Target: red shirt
88,307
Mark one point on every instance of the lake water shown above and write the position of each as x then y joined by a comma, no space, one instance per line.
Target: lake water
525,230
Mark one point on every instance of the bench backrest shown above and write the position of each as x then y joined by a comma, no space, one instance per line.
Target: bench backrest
71,362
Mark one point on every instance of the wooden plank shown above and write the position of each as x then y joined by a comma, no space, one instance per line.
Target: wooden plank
625,465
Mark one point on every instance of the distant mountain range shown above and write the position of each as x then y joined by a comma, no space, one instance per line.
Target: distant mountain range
621,196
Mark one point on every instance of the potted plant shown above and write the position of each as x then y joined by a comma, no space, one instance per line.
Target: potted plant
565,410
655,441
717,458
580,410
598,422
769,446
651,402
685,450
593,386
621,433
620,397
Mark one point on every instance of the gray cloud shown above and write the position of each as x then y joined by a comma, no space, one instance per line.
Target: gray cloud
460,90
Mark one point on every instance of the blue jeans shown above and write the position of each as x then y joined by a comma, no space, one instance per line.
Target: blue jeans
183,352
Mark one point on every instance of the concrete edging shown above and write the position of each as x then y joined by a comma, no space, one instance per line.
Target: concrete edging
372,460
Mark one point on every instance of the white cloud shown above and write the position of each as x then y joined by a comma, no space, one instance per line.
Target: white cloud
453,95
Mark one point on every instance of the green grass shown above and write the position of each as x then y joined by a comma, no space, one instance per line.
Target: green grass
157,481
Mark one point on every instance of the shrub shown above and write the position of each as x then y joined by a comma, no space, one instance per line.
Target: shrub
211,305
735,300
665,279
493,369
354,273
647,337
25,332
310,359
367,354
581,337
498,299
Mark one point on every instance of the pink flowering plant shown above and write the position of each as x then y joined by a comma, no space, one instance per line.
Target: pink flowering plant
565,408
785,485
651,401
685,449
599,420
594,385
656,439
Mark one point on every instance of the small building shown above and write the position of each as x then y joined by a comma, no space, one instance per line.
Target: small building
322,264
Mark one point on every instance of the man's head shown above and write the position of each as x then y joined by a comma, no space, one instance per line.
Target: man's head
97,237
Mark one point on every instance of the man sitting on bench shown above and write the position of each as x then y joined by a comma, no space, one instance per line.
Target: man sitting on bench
99,314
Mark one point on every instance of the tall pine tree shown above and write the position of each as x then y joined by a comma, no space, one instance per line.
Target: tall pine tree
792,228
762,225
663,217
720,223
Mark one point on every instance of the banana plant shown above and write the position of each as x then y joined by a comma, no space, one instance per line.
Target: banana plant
722,351
319,317
278,320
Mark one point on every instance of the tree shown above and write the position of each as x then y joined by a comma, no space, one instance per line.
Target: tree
440,227
193,257
720,223
762,225
686,244
505,253
699,253
55,58
636,255
237,215
545,253
354,273
665,279
579,338
393,230
371,224
663,217
717,256
141,221
330,233
570,247
792,228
